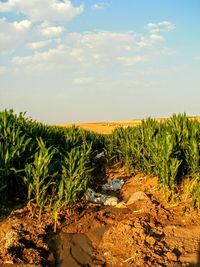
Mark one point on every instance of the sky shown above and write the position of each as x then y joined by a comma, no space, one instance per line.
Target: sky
91,60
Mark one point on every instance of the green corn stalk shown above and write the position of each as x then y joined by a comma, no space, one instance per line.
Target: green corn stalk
192,156
57,205
193,190
38,177
166,165
75,174
13,147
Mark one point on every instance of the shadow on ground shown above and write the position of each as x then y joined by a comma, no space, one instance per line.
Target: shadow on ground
198,258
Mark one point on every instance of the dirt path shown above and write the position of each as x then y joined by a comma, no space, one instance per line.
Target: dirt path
148,232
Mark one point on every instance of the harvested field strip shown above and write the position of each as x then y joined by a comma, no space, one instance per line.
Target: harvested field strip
108,127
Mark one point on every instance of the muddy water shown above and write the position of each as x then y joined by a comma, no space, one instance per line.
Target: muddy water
75,250
72,250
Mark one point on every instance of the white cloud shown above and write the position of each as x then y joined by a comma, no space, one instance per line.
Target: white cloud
101,5
78,51
12,35
83,81
38,45
162,26
129,61
165,52
82,50
52,59
22,25
45,10
51,30
149,41
167,25
155,33
156,38
90,50
103,42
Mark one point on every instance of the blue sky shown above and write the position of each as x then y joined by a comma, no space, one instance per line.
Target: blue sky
74,61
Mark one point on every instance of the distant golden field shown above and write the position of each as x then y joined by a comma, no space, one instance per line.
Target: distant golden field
108,127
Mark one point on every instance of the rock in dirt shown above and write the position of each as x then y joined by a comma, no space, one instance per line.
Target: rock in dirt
121,205
137,196
11,238
111,201
171,256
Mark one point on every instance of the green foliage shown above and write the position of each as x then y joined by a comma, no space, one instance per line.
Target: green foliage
47,166
39,176
73,180
170,150
75,174
51,166
193,189
13,149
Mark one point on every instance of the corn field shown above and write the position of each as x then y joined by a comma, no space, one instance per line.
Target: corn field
169,150
50,167
45,166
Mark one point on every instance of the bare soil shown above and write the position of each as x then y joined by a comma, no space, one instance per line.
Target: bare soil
149,232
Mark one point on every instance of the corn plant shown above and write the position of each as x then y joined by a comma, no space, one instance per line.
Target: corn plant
38,178
57,203
13,147
75,174
146,136
56,163
193,189
180,128
157,149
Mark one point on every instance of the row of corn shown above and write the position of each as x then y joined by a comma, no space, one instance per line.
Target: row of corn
169,150
49,167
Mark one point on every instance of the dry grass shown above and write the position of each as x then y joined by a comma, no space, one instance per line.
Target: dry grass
104,127
108,127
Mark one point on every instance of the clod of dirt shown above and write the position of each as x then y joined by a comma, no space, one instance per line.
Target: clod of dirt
22,241
11,238
137,196
121,205
141,244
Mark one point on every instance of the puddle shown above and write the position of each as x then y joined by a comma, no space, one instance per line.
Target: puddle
72,250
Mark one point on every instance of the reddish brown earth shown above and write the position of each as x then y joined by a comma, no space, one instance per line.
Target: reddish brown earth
150,232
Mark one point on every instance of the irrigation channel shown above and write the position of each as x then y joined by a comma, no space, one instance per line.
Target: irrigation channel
146,230
150,231
72,249
58,176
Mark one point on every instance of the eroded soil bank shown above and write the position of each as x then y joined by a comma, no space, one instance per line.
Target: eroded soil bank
148,232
